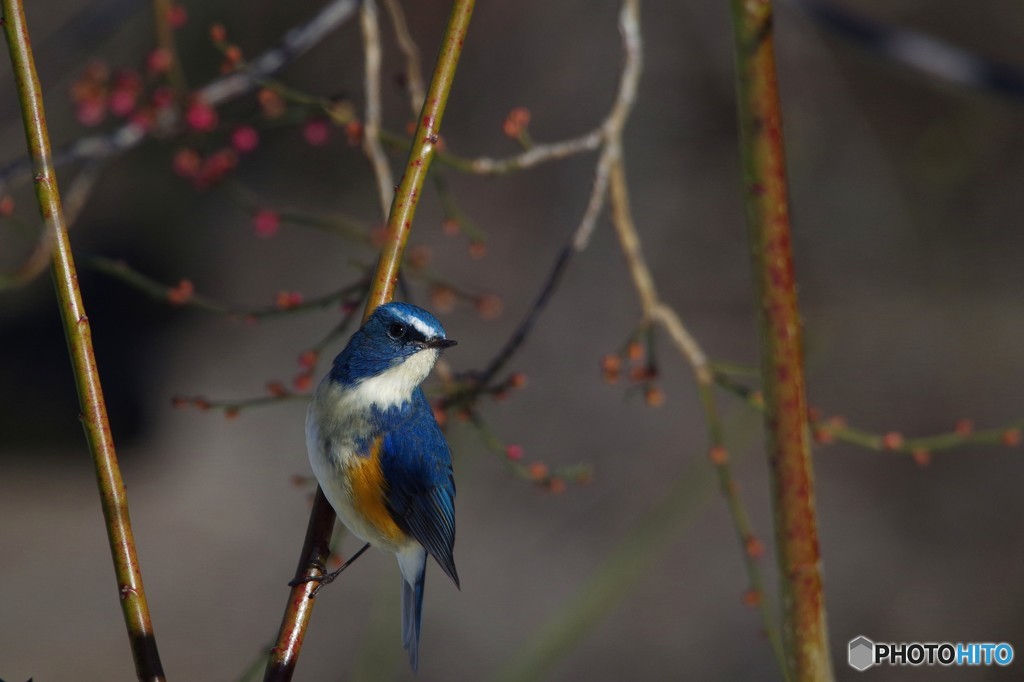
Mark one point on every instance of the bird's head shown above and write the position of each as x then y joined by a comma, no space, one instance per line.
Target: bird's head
397,345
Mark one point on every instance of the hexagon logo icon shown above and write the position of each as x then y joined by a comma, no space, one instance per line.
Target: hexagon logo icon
862,653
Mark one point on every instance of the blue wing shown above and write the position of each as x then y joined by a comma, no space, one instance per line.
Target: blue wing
417,466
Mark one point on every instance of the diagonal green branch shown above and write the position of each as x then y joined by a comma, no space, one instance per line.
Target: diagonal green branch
316,547
113,498
805,633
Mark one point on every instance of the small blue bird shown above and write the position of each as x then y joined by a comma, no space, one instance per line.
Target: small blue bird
379,454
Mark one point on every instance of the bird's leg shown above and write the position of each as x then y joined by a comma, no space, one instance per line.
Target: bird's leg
328,577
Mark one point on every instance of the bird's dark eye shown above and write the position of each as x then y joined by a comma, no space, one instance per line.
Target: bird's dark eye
396,330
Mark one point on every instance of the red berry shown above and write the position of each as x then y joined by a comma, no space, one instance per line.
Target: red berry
200,116
177,16
266,222
316,132
244,139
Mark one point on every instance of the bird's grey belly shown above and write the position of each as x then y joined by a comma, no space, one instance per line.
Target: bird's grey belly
331,453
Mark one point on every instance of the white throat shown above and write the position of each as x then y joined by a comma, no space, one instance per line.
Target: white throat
394,386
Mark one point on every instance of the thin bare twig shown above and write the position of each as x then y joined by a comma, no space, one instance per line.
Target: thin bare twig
174,295
413,69
827,430
113,497
370,24
655,311
535,156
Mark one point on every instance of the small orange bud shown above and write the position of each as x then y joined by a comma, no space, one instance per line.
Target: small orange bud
354,133
1011,437
556,485
611,364
964,427
516,122
450,227
823,435
277,389
302,382
635,351
718,455
230,412
489,307
442,298
538,471
892,441
922,458
186,163
271,103
378,235
232,58
753,547
181,294
752,598
308,359
640,373
477,250
654,396
218,33
514,453
419,256
837,422
517,380
286,300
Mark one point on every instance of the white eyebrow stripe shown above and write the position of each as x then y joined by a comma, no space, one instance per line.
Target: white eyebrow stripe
421,326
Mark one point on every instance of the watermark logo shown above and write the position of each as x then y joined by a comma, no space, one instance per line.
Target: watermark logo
864,653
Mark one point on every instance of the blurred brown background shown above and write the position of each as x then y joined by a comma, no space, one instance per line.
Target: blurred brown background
907,207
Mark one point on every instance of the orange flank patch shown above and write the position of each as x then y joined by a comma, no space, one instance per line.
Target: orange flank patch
368,490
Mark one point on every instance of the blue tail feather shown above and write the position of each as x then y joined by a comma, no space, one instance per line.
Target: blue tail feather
412,612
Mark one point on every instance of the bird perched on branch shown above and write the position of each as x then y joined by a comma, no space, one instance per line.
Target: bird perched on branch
379,454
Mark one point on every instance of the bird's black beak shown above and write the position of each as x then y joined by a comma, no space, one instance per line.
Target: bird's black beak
441,343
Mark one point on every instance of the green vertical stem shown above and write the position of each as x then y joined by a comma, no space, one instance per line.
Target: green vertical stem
424,146
76,326
316,548
788,442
